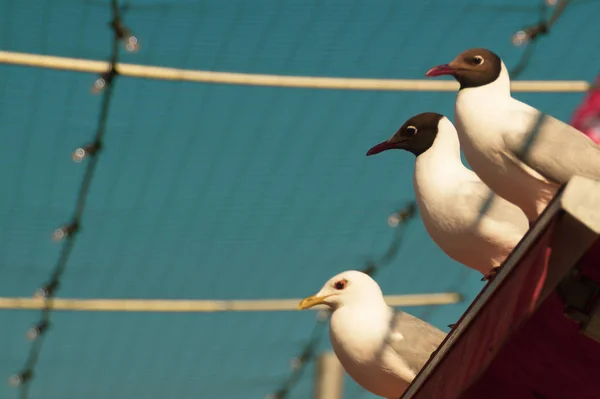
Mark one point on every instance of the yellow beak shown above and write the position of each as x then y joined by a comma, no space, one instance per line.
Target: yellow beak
311,301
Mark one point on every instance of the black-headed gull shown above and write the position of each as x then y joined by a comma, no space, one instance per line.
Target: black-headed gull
521,153
452,199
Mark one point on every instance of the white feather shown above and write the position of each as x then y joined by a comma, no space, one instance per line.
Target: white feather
451,198
493,127
380,349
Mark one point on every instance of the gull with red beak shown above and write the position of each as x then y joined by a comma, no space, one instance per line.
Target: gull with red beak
522,154
452,199
381,349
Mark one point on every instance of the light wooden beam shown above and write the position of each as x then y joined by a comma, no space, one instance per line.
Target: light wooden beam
177,305
312,82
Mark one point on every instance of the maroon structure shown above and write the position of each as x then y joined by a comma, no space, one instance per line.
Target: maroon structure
530,332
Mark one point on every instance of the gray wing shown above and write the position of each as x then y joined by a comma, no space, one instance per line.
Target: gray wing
419,339
550,147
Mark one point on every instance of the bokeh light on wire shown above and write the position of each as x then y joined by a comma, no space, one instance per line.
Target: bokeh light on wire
532,33
82,152
520,38
528,37
68,232
103,80
129,41
37,330
65,231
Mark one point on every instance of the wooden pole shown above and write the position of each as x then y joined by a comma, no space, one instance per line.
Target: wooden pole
329,378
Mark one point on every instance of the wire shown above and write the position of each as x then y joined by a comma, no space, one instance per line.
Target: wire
68,233
531,34
399,220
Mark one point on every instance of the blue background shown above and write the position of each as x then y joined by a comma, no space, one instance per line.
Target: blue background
230,192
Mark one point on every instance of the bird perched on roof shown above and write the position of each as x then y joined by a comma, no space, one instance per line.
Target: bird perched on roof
380,349
452,199
521,153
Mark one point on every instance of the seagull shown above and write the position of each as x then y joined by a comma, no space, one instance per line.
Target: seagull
452,199
381,349
494,131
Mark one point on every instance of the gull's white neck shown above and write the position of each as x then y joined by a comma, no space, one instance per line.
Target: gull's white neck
479,111
440,168
359,328
360,334
494,92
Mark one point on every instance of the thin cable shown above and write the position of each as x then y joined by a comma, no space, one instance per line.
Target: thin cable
68,233
309,351
531,35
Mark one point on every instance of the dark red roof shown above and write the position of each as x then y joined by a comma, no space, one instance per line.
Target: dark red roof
514,341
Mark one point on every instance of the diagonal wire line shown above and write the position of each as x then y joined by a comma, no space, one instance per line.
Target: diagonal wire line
532,34
309,351
69,232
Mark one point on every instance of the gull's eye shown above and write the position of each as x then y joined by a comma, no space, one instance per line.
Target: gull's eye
411,130
478,60
340,285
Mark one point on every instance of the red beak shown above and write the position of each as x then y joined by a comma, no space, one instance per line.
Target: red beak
440,70
386,145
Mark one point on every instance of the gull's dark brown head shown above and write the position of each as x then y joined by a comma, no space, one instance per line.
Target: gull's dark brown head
471,68
416,135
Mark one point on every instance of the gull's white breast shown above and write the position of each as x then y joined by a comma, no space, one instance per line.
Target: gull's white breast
482,117
451,198
358,337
